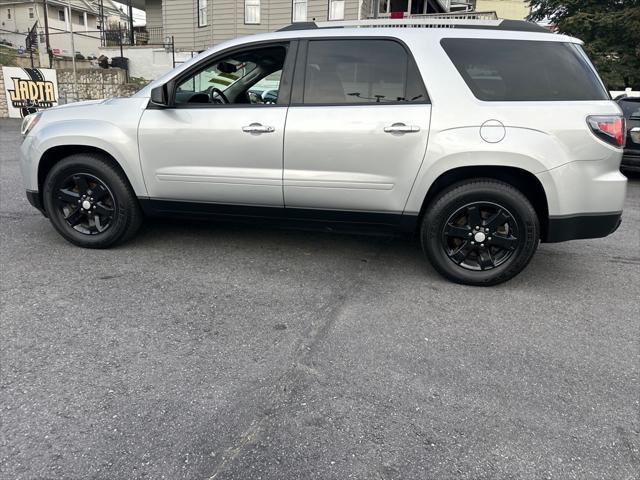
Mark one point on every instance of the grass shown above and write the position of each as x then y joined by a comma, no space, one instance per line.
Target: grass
7,56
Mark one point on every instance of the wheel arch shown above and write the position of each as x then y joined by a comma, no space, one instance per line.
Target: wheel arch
525,181
55,154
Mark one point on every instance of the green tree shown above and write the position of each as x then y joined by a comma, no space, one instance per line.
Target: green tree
609,28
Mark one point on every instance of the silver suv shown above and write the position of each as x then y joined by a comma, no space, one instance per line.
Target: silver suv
482,137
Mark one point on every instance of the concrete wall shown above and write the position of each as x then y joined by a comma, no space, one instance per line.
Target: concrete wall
147,62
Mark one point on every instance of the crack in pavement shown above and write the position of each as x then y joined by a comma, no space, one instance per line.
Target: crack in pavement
292,382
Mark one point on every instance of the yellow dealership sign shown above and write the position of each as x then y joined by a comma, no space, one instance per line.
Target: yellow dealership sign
29,90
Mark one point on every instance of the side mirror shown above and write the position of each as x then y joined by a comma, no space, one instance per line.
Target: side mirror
159,96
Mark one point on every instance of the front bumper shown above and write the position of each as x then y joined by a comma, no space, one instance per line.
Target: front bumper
574,227
36,201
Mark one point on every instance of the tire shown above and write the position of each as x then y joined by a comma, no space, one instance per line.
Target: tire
111,213
502,246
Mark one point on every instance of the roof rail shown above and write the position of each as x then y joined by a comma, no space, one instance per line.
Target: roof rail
298,26
423,22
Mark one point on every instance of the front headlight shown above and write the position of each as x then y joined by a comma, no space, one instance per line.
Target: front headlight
29,122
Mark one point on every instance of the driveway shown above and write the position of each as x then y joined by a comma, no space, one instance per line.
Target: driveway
205,351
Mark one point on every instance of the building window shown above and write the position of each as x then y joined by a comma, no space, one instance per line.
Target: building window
252,11
31,12
202,13
81,19
336,9
8,14
61,15
299,11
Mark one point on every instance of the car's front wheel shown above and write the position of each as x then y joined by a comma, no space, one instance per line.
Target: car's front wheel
480,232
90,203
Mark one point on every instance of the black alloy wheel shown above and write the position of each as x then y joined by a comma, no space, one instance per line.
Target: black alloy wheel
90,202
480,232
480,236
86,203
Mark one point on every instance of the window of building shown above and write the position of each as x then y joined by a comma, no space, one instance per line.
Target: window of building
81,19
61,15
251,11
299,11
31,15
523,70
8,14
202,13
361,72
336,9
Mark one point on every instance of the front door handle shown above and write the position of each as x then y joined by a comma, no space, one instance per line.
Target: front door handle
257,128
401,128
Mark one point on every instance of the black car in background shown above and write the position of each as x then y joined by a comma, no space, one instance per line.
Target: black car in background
631,108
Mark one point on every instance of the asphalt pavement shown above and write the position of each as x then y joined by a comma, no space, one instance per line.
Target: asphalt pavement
209,351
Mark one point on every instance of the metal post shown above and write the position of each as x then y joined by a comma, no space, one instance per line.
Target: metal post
173,51
131,37
73,50
103,35
120,39
46,32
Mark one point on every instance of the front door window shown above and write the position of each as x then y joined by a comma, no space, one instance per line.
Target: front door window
250,77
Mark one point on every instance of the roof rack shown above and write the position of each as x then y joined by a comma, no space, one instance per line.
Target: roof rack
465,23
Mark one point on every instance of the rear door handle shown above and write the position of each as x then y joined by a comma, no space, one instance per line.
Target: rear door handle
401,128
258,128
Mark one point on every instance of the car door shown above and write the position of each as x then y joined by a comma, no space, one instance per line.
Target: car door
357,126
203,149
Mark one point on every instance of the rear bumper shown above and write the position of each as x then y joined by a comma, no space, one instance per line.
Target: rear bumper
574,227
35,201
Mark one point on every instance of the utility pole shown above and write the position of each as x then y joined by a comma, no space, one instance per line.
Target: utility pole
73,49
131,37
103,40
46,32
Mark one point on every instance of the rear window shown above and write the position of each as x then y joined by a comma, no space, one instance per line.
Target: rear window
523,70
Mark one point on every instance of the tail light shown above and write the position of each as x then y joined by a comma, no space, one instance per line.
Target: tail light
610,128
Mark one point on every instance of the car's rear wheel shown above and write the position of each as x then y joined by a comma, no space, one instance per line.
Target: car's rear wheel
90,203
480,232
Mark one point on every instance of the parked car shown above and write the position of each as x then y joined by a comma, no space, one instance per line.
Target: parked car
483,139
631,109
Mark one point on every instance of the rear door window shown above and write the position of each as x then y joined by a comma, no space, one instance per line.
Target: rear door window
524,70
366,71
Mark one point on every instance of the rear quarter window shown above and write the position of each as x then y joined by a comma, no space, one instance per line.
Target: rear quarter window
523,70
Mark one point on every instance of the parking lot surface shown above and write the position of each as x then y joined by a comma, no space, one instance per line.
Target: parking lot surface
209,351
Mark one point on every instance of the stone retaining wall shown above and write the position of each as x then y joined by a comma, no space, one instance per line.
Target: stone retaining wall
93,84
4,112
